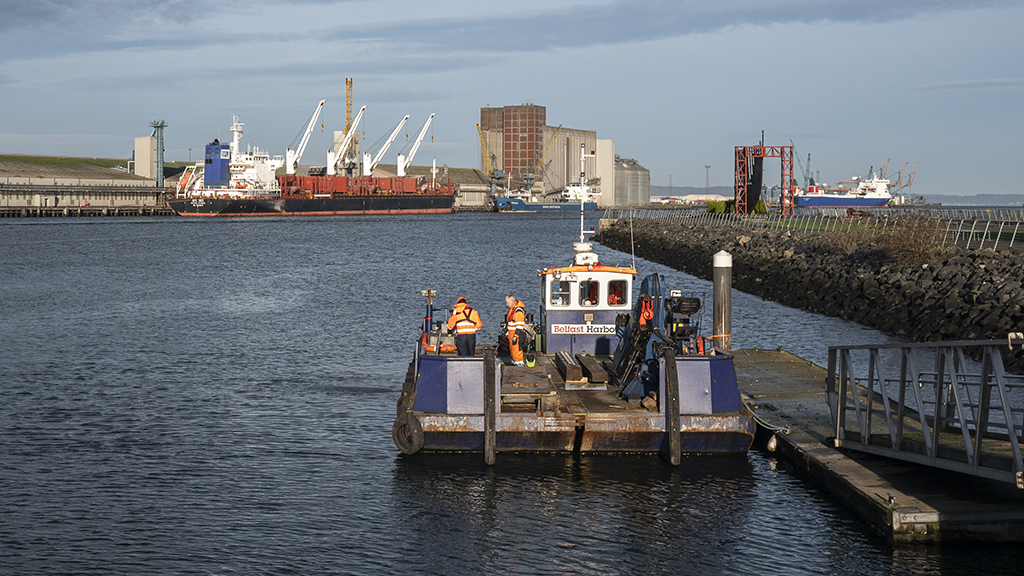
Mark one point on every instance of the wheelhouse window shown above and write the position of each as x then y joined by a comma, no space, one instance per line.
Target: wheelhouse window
589,292
561,291
617,293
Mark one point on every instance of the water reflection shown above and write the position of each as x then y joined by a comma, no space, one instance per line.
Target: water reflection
571,515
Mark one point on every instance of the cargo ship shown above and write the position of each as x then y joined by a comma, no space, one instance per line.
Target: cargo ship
230,181
574,198
870,192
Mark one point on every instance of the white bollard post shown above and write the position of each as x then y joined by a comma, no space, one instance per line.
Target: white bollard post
722,336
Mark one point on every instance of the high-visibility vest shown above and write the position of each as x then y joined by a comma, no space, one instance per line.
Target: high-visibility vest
465,320
516,318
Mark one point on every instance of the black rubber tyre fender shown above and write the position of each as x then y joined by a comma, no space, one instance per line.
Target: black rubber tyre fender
407,433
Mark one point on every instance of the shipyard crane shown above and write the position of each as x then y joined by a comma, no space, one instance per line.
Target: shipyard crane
485,156
336,157
547,149
914,173
369,165
900,175
806,173
403,162
292,157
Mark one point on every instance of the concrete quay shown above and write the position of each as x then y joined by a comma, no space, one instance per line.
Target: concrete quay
904,502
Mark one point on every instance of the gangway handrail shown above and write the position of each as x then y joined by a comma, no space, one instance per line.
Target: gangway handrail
955,414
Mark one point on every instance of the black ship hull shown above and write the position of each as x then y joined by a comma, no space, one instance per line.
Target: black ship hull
299,206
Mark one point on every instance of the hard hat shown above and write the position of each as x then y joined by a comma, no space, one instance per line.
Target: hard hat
461,299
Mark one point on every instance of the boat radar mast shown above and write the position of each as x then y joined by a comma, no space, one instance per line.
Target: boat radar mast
583,184
584,255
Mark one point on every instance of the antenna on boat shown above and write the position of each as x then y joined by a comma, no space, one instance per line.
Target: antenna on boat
632,245
583,182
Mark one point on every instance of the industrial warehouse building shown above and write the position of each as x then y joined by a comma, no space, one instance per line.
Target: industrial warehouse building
519,141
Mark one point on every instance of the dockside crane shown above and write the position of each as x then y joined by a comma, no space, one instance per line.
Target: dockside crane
336,157
369,165
806,173
485,156
292,157
403,162
544,156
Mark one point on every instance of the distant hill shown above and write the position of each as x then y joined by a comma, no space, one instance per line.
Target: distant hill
31,166
988,200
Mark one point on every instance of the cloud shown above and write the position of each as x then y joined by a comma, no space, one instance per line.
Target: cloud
625,21
51,14
988,84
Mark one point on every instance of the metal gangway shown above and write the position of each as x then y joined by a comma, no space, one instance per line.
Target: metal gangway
932,404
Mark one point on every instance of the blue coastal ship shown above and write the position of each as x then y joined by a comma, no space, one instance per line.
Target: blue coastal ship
577,196
870,192
505,204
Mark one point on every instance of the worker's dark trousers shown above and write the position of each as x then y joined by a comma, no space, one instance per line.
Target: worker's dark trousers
466,344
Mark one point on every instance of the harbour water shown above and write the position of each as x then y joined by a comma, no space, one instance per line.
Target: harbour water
216,397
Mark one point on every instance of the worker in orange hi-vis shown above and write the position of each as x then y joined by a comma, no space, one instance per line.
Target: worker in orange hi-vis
515,321
465,322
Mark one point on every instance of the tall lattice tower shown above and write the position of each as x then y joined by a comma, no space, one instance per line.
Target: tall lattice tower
353,146
348,104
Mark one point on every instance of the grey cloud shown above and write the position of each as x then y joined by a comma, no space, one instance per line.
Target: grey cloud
987,84
629,21
454,42
54,14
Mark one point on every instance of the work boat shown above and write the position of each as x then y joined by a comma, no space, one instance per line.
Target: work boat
604,373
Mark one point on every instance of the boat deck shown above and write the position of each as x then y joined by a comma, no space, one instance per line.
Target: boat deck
562,404
544,388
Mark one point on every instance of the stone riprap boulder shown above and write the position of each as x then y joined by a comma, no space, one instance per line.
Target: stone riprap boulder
960,295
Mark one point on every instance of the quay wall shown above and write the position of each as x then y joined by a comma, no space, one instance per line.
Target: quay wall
960,295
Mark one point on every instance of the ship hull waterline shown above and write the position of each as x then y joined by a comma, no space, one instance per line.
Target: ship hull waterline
358,205
620,433
839,202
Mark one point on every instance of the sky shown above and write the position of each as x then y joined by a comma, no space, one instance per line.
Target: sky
677,85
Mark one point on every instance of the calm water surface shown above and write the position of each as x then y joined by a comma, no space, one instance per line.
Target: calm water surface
216,397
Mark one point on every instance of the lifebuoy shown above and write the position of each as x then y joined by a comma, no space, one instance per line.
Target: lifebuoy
407,433
444,347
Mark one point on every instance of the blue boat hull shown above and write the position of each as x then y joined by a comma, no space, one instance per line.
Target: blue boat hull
839,201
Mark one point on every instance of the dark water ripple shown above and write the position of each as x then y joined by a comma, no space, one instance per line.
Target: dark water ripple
187,397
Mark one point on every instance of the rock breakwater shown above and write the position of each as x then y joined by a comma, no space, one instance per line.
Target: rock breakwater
960,295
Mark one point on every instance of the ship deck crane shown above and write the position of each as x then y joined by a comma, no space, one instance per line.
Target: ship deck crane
336,157
403,162
369,165
292,157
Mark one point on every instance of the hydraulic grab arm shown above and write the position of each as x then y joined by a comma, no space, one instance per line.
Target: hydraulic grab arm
369,165
334,157
292,157
403,162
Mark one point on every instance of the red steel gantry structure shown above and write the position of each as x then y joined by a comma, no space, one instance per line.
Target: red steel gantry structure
744,154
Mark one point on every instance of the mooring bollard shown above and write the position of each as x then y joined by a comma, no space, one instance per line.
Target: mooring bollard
722,328
490,408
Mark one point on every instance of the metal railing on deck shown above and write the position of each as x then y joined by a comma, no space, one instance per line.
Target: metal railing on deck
931,404
971,233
